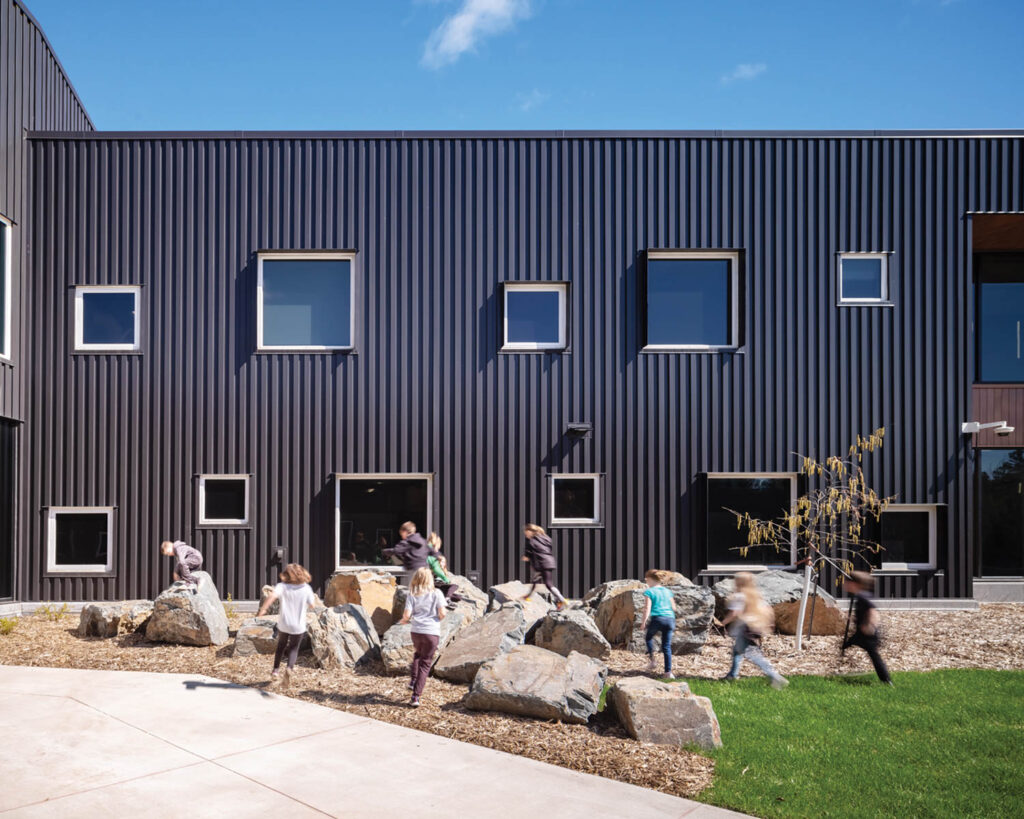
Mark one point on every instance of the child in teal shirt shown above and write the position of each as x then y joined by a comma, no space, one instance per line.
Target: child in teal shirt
659,616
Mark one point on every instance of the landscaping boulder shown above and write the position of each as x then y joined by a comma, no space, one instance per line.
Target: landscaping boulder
620,618
473,603
665,713
534,682
481,641
275,607
782,591
190,615
511,592
112,619
374,591
593,598
676,579
396,648
566,631
257,635
343,636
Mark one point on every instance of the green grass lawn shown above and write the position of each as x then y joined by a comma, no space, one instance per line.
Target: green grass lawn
941,743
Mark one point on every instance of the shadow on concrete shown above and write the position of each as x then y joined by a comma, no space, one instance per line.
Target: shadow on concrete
192,685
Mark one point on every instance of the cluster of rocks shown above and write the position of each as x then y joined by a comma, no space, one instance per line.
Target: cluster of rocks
517,656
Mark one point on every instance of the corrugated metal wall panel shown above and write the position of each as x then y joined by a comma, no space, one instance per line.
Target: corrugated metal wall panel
438,225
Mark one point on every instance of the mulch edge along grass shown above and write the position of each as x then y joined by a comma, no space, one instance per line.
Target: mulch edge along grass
939,743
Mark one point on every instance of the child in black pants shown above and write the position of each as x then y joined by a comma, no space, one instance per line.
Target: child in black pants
866,632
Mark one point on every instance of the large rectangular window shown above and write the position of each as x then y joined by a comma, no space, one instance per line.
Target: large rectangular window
906,533
575,500
1000,321
305,301
766,496
107,318
534,316
863,278
224,500
5,289
692,300
79,540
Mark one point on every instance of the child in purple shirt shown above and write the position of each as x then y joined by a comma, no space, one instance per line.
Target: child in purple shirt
187,560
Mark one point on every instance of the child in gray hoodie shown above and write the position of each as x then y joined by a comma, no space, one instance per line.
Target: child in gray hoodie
187,560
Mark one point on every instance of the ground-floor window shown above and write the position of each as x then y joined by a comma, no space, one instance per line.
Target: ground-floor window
79,540
223,500
369,509
1001,496
575,500
765,496
907,534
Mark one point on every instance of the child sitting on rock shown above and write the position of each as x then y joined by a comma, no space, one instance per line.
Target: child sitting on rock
748,620
295,596
438,566
187,560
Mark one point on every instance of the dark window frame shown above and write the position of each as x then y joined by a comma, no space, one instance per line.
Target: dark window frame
933,537
596,522
739,565
55,569
737,297
982,276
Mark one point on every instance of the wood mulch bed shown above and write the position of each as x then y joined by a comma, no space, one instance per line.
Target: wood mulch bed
992,637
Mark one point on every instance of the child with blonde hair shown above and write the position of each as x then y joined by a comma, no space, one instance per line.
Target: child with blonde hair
186,560
749,619
424,608
659,616
296,597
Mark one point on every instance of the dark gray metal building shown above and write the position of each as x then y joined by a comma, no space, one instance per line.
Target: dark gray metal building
295,341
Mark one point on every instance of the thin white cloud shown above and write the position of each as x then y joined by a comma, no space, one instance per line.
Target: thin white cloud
743,72
533,99
475,20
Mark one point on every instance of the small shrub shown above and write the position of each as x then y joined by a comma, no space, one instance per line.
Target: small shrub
53,612
8,624
229,607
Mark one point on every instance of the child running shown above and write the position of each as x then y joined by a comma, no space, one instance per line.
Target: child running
542,562
867,634
750,619
659,616
187,560
438,567
296,597
424,607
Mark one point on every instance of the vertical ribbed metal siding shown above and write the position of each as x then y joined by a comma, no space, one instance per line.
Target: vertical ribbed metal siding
438,224
34,94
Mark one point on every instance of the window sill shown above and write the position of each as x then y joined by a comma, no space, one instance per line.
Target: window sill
733,568
106,352
243,526
554,525
654,350
865,304
530,351
910,572
306,351
71,573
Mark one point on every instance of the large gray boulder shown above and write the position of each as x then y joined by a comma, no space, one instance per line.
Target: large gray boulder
782,592
190,615
257,635
481,641
665,713
343,636
566,631
534,682
620,619
374,591
112,619
473,603
593,598
513,593
396,647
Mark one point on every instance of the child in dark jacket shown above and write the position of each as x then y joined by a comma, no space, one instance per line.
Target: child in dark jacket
867,634
187,560
542,562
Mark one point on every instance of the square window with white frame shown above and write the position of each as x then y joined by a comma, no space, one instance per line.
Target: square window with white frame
765,496
906,533
79,540
223,500
535,316
863,278
5,288
692,300
305,301
575,500
107,318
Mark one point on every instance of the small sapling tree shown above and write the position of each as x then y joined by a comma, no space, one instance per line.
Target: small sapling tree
828,520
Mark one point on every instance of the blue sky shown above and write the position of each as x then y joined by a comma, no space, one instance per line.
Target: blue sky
526,64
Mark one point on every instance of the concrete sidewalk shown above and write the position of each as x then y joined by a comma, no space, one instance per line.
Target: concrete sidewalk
119,743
